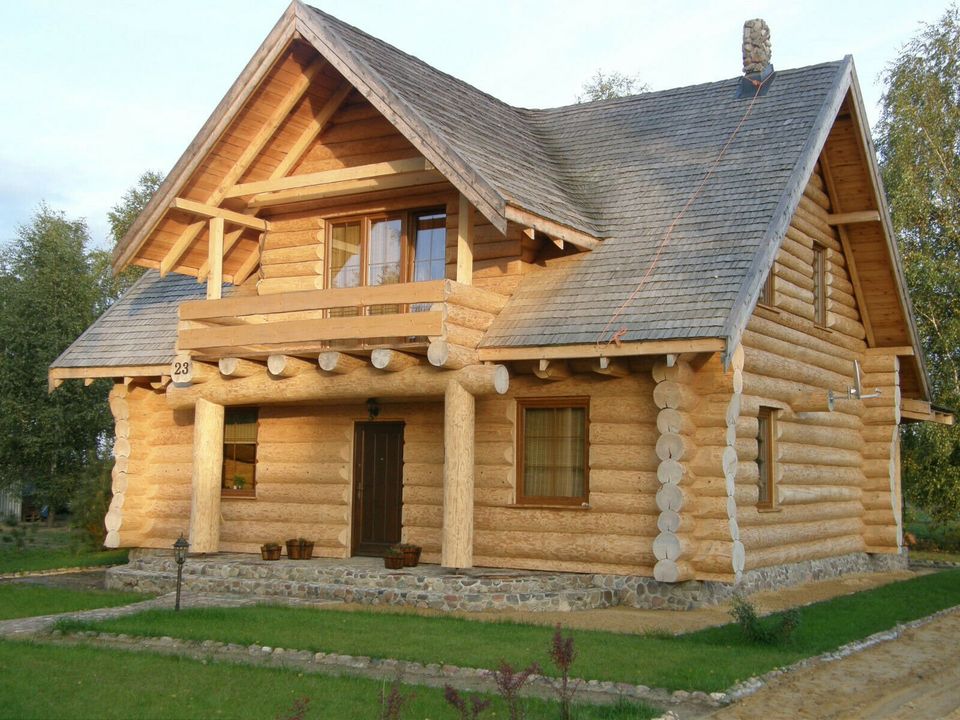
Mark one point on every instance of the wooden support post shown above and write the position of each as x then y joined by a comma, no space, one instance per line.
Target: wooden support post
207,470
215,259
339,363
458,450
465,242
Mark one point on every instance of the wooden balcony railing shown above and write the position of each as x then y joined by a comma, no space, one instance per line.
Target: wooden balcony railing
400,315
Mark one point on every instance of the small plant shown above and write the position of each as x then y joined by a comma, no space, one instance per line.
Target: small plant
394,551
509,683
297,711
563,653
239,482
467,712
272,546
392,703
20,535
764,631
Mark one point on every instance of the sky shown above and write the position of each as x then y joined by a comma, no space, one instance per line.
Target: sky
98,91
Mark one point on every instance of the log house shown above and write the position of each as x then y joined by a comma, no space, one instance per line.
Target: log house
383,306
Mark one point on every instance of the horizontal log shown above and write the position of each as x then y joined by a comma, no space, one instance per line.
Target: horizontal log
614,549
803,474
750,516
416,382
334,473
820,548
263,511
820,436
845,325
758,537
444,354
672,571
575,522
807,494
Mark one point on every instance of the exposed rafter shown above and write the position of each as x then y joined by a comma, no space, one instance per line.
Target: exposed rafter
229,240
554,230
212,211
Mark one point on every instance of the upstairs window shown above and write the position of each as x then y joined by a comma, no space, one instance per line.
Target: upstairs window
767,291
766,457
819,285
239,452
552,448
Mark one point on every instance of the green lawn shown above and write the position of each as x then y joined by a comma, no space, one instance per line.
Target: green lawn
41,681
49,548
935,555
19,600
709,660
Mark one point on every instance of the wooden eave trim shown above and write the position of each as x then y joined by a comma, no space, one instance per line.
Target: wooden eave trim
369,83
851,218
592,350
880,199
56,375
555,230
246,84
763,260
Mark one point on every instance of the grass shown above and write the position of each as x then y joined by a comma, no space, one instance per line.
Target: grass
49,548
935,555
709,660
41,681
18,600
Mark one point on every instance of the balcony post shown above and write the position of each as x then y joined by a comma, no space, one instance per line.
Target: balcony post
207,470
465,242
456,549
215,259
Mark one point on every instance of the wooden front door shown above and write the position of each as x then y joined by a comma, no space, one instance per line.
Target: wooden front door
377,486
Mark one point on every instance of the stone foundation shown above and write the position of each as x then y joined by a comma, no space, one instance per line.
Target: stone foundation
365,581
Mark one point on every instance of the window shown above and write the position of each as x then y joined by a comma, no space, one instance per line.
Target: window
819,285
239,452
552,451
766,457
766,291
383,250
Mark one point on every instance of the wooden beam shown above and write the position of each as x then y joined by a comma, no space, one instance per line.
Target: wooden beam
610,367
465,242
652,347
847,251
253,149
215,259
56,376
459,417
849,218
205,482
553,229
328,177
898,350
392,360
180,246
229,240
313,130
235,367
285,366
246,268
339,363
211,211
347,187
552,370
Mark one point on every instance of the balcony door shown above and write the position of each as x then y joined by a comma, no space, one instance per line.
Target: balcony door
377,486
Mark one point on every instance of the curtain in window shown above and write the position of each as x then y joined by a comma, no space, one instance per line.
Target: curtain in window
554,452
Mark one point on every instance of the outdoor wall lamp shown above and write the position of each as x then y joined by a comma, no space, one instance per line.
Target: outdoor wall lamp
180,548
373,408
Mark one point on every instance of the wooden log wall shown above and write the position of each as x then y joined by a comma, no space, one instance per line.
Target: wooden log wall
825,504
499,261
882,501
113,521
292,254
616,534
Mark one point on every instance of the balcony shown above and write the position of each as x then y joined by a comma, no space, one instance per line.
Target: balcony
442,316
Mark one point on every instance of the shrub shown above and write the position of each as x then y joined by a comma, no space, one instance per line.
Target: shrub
774,630
509,683
467,712
563,653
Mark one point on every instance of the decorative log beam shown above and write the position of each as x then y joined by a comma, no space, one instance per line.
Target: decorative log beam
421,381
850,218
205,484
552,229
184,370
233,367
211,211
161,383
610,367
459,412
465,242
285,366
392,360
313,130
327,177
339,363
552,370
444,354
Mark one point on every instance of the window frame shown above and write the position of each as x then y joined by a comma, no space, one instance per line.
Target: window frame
408,220
551,500
767,457
768,290
231,492
819,285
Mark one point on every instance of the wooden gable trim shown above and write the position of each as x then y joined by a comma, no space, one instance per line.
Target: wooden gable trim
592,350
369,83
555,231
246,84
763,261
56,376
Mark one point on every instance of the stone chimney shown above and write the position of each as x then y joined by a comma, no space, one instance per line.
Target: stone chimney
756,46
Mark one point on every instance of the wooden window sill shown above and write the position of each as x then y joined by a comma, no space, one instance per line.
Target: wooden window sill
769,509
547,506
237,496
769,308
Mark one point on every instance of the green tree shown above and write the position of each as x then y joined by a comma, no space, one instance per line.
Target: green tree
121,217
605,86
918,139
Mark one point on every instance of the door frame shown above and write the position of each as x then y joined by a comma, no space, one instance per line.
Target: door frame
356,516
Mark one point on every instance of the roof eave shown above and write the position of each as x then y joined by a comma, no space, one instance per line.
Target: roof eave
270,49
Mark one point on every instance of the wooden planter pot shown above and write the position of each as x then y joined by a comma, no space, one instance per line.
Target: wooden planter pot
270,553
393,562
293,549
411,555
299,549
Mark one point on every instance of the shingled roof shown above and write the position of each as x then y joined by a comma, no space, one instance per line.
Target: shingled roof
139,329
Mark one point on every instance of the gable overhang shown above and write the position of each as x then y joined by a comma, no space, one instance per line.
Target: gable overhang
299,22
845,86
